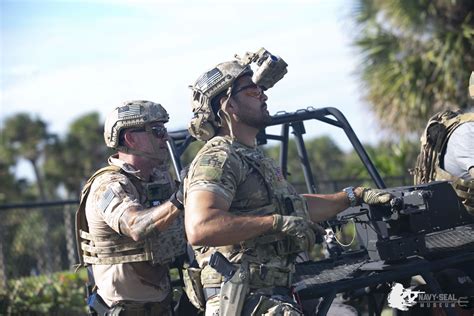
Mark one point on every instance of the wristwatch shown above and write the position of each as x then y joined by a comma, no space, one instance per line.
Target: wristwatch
351,196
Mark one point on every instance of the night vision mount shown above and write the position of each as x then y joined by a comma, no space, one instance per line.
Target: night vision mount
271,68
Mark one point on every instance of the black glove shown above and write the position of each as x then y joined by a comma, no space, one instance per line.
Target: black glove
177,198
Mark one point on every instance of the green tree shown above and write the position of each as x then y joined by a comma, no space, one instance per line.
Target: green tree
9,186
70,161
390,159
417,56
325,158
27,137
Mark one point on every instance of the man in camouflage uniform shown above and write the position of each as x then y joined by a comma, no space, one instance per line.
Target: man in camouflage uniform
447,152
130,223
239,204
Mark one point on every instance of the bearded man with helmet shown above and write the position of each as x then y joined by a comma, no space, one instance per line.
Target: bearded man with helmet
130,221
239,207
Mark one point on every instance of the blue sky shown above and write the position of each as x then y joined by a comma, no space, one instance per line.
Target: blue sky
63,59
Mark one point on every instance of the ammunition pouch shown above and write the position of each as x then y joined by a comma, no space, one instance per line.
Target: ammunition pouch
284,245
159,248
260,276
193,287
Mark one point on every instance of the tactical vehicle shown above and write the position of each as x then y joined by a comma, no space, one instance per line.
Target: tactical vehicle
424,229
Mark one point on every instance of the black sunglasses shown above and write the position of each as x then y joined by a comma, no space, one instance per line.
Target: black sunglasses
158,131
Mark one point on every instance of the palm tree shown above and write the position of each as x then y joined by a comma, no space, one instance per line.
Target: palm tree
417,56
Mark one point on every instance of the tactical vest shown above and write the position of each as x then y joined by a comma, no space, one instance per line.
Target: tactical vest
158,247
284,202
433,146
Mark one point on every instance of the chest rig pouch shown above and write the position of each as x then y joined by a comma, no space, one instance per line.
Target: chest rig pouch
285,201
158,248
169,244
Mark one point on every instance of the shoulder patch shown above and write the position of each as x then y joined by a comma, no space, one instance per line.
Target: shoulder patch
210,166
216,159
107,197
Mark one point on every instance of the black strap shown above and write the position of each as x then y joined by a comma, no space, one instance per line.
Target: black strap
174,200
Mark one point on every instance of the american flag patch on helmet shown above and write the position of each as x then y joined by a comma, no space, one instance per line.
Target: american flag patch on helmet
129,110
209,79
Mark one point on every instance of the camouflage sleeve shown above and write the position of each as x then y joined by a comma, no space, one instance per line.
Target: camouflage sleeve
216,170
112,194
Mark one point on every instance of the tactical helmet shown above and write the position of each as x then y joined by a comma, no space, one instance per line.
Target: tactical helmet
212,83
133,114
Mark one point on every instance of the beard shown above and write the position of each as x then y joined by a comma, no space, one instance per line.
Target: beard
254,119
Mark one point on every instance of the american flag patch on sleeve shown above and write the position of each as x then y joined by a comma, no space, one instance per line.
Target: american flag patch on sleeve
106,199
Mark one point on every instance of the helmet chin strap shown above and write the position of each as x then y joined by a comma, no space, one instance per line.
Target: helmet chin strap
160,156
227,117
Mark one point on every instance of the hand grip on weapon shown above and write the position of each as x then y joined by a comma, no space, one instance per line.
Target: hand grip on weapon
372,196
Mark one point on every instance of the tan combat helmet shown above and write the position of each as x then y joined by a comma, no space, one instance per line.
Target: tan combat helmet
209,85
214,82
133,114
471,85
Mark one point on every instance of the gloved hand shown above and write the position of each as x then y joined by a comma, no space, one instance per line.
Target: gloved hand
177,198
303,232
372,196
294,225
289,225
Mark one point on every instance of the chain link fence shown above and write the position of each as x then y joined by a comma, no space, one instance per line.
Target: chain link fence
36,239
